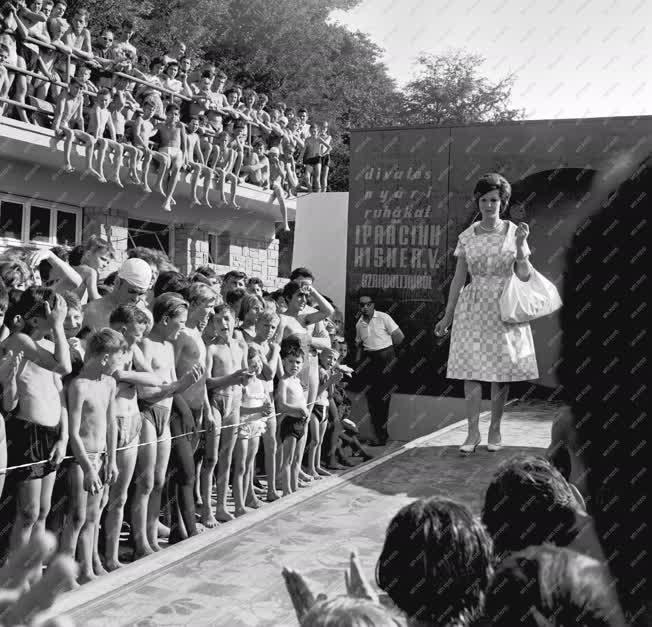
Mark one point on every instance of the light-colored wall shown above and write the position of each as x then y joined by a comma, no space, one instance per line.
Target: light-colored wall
320,241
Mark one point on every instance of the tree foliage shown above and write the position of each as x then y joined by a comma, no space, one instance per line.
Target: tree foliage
291,51
449,90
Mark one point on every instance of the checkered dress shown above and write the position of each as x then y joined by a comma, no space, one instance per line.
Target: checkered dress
483,347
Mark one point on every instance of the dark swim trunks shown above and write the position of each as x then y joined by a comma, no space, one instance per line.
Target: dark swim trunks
292,427
27,443
158,415
320,412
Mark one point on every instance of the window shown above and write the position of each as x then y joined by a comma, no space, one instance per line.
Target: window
150,235
39,224
66,228
11,219
285,247
219,248
42,222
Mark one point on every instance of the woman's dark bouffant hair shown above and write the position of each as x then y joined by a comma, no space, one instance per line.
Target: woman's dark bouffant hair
527,503
549,585
490,182
436,562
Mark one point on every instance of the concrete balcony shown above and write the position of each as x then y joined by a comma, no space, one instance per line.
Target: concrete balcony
31,161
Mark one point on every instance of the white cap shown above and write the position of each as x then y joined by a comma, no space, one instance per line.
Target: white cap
137,272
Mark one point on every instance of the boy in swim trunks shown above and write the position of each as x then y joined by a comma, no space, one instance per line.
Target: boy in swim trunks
195,162
170,313
256,406
34,432
221,160
98,122
173,145
69,124
226,367
143,131
93,436
328,377
191,413
291,404
131,322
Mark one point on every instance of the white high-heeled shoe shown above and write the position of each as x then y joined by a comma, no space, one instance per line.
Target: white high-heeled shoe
469,449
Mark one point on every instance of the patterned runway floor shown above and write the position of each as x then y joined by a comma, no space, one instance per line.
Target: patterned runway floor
231,576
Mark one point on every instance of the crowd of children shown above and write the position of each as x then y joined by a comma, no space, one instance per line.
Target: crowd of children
149,396
103,94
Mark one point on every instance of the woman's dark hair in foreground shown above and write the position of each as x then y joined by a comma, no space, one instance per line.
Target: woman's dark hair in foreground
549,586
605,373
436,562
528,502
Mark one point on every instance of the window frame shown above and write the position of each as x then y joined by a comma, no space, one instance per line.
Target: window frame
54,208
169,227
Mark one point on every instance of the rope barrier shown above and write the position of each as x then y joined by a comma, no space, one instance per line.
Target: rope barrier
4,471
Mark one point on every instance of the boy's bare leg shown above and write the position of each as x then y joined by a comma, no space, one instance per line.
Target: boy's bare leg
318,467
144,482
32,507
194,182
313,429
164,164
308,177
289,445
87,538
278,194
317,177
89,144
98,567
234,190
228,438
133,154
175,175
324,178
239,473
118,153
207,469
208,175
76,511
250,496
154,506
220,183
126,461
102,146
269,444
147,161
296,466
67,149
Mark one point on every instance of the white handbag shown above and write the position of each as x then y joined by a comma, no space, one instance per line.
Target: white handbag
523,301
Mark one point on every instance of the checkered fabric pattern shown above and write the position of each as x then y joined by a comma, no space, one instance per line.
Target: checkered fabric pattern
483,347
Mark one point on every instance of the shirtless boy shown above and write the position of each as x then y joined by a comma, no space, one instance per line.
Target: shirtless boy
68,115
195,162
33,430
314,148
93,436
143,131
192,413
291,403
266,326
172,144
131,322
100,120
226,366
276,177
221,161
170,315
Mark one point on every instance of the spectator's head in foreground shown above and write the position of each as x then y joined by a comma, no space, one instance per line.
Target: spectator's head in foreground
345,611
551,586
436,562
605,373
527,503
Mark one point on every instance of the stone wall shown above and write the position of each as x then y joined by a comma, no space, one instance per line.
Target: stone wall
257,257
